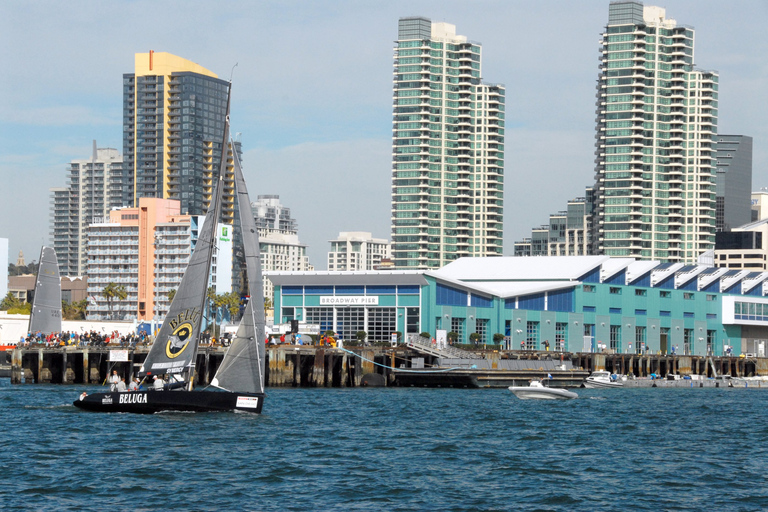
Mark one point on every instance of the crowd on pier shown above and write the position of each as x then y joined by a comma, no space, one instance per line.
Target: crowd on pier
85,339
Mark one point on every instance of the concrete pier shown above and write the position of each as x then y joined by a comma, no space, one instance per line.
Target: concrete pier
305,366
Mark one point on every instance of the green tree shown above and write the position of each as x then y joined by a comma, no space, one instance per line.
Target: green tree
453,336
75,310
267,304
9,302
113,292
171,294
231,301
498,338
360,336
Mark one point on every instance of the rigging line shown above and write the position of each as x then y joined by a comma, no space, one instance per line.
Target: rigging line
398,369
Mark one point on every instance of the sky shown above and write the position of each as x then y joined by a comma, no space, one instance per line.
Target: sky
312,96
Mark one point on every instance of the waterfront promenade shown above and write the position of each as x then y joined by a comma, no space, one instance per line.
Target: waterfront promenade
306,366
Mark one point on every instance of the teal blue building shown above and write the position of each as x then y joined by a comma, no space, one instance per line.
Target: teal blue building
564,303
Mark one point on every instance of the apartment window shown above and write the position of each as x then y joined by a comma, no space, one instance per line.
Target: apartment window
615,290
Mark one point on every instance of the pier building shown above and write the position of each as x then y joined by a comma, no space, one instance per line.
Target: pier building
569,304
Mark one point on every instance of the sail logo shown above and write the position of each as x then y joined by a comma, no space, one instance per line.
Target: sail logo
181,335
133,398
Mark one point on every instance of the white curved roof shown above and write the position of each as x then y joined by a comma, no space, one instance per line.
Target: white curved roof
517,268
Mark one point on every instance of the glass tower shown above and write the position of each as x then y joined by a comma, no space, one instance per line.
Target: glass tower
447,149
656,125
173,124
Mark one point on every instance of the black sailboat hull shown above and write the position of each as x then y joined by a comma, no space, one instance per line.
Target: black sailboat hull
150,402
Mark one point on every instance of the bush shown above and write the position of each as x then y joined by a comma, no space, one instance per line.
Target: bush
425,334
498,338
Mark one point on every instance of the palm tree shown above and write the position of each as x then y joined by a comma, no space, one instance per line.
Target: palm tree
111,292
171,294
75,310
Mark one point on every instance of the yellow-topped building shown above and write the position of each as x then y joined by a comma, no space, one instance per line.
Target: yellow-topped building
173,116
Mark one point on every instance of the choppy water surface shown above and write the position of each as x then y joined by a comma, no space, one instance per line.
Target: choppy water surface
392,449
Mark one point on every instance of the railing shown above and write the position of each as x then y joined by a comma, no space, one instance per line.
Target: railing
425,345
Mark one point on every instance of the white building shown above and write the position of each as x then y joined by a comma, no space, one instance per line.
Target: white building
656,122
447,149
3,268
279,242
357,250
93,189
147,249
281,252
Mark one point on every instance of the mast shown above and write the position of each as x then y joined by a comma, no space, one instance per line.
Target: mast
175,348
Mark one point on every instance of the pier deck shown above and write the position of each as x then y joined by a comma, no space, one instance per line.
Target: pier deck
305,366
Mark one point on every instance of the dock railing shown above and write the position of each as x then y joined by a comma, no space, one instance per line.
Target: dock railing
425,346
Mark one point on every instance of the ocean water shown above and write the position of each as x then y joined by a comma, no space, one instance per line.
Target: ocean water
392,449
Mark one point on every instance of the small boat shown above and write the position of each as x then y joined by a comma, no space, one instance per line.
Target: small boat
603,379
537,390
239,380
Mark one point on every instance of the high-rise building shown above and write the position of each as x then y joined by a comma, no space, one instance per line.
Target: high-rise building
567,234
279,242
357,250
447,150
93,189
655,140
734,181
173,125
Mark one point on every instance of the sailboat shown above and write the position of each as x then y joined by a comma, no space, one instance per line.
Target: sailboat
239,381
45,315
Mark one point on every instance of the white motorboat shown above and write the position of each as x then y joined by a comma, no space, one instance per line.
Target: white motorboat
538,391
603,379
